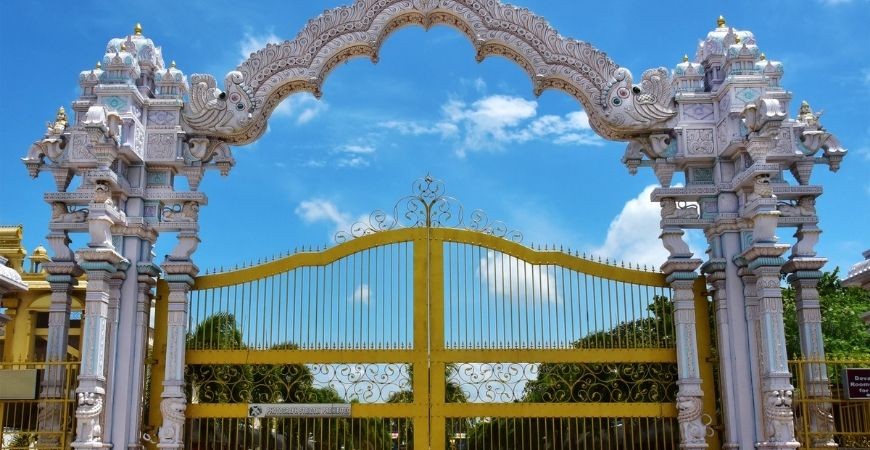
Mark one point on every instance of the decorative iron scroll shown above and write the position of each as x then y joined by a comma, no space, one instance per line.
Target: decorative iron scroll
428,206
299,383
602,382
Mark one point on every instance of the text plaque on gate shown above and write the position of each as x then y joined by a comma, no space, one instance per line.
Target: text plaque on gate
299,410
856,384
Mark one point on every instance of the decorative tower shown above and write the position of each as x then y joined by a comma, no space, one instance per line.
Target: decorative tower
127,142
733,140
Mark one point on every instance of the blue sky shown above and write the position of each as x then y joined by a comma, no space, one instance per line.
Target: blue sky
428,107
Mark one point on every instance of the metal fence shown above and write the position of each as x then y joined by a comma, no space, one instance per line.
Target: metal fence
45,420
824,415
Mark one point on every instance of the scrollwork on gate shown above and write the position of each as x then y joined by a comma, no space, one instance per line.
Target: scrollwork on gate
428,206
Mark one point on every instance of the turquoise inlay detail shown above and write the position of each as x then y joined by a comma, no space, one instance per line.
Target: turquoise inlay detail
746,95
99,265
681,276
115,102
765,261
59,279
157,178
178,278
806,274
147,268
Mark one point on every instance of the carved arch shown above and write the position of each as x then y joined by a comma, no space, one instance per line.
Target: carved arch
617,108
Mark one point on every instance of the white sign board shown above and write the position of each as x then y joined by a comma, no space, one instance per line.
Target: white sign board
298,410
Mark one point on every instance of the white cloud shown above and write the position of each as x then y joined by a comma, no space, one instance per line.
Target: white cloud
353,161
251,43
357,149
633,235
361,294
445,129
354,155
495,121
507,275
318,210
301,108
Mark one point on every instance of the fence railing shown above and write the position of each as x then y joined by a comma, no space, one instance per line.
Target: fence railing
44,416
824,414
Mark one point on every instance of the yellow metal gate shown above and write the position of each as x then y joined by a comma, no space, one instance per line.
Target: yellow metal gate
439,338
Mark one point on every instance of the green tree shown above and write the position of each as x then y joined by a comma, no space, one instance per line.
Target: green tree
844,334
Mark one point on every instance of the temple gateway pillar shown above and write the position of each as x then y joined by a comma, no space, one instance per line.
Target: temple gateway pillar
680,270
179,274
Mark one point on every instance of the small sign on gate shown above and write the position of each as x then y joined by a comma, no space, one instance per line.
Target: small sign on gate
299,410
856,383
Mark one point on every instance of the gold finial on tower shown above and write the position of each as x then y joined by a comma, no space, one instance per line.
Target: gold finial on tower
172,64
686,57
98,65
762,57
123,47
137,29
736,38
720,22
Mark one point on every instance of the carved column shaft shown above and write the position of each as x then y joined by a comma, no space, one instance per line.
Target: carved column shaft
804,277
61,278
753,332
100,264
114,282
680,269
179,276
147,279
776,388
715,270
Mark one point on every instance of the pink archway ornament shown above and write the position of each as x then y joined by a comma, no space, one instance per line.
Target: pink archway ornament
721,118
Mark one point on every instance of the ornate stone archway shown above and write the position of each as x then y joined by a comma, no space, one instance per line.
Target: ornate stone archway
720,117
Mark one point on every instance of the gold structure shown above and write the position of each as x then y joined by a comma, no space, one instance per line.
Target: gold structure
436,332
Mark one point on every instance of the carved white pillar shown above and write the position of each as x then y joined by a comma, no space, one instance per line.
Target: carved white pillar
715,271
100,264
147,279
803,269
776,389
114,283
753,333
680,271
179,276
61,277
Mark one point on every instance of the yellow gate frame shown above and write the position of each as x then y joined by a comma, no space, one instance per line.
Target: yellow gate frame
429,356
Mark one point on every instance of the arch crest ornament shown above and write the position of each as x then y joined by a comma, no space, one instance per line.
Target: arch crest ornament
617,108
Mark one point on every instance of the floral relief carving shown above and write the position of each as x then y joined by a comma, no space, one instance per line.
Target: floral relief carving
699,141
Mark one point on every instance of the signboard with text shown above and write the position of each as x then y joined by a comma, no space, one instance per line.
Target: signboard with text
298,410
856,384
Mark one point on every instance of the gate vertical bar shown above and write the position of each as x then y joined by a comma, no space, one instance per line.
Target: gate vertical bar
420,363
438,372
